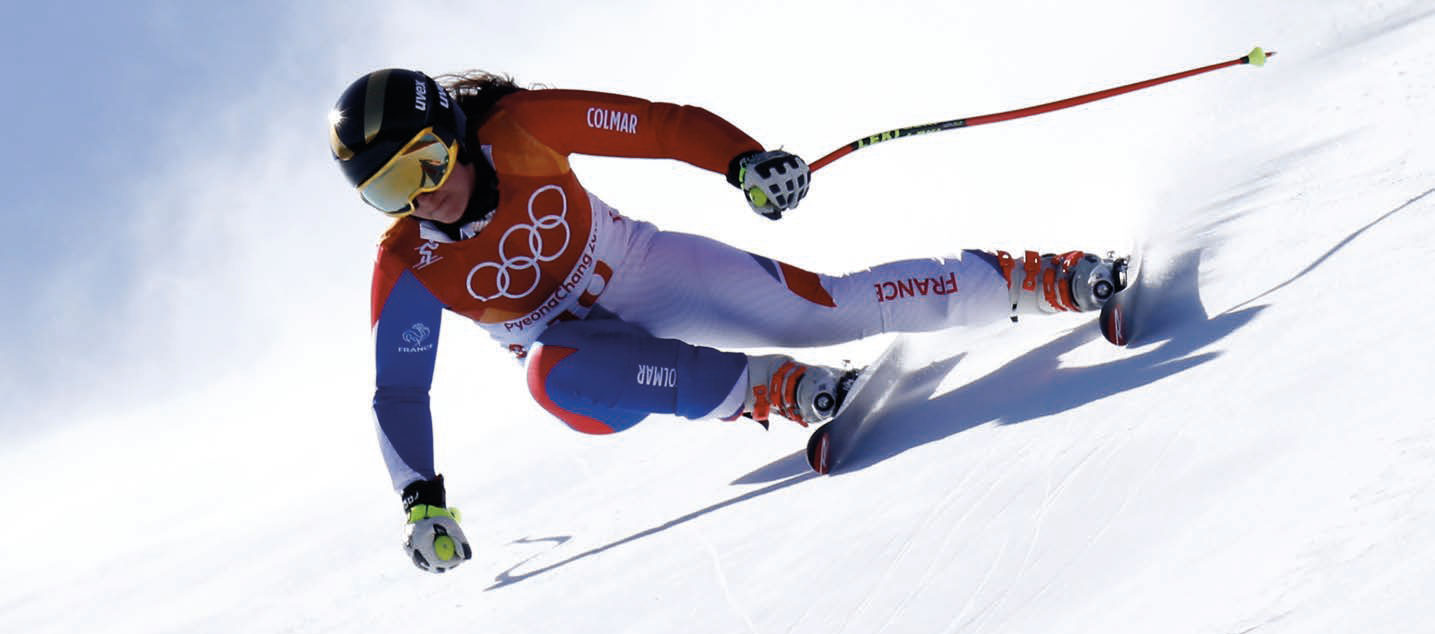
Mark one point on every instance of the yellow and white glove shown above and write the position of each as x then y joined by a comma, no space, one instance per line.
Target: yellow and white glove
772,182
433,539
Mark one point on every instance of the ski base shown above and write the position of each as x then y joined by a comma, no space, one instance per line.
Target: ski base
819,451
1118,318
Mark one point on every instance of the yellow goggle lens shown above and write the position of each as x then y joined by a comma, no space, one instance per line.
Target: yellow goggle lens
421,166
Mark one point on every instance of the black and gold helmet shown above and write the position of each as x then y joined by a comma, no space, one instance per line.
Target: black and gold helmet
381,112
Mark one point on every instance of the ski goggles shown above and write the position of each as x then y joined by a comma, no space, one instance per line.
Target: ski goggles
420,166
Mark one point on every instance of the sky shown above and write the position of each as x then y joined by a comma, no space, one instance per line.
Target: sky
125,194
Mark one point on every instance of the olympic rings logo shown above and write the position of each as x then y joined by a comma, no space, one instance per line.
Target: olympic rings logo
516,276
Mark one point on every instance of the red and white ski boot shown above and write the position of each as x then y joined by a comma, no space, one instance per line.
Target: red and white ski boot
804,394
1074,281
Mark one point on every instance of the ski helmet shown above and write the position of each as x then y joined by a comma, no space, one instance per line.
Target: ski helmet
381,112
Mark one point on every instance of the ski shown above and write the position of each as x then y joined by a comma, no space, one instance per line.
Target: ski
831,443
1118,315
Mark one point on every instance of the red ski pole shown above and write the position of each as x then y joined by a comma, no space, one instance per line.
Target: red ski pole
1256,57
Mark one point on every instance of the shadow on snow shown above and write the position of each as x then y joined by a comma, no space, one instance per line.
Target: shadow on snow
512,576
1173,325
1029,387
1170,320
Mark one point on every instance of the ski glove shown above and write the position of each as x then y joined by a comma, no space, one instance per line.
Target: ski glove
434,541
773,182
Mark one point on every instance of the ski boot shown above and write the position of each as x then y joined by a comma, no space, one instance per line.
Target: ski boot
1073,281
804,394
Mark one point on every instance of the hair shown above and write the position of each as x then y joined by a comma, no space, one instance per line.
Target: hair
478,90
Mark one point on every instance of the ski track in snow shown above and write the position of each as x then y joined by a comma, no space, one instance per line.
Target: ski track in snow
721,577
980,621
1137,485
1011,469
921,585
1035,539
889,571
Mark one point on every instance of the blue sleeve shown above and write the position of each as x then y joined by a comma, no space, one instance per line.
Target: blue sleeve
405,347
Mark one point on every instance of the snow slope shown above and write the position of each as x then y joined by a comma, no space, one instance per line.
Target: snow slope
1261,460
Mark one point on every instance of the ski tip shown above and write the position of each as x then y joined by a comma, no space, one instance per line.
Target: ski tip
818,450
823,465
1111,325
1118,334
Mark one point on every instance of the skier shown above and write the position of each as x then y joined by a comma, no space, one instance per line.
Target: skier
611,314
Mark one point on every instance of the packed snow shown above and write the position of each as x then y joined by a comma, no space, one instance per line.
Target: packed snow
1261,458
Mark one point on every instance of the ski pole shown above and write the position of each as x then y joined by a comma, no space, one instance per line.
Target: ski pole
1256,57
